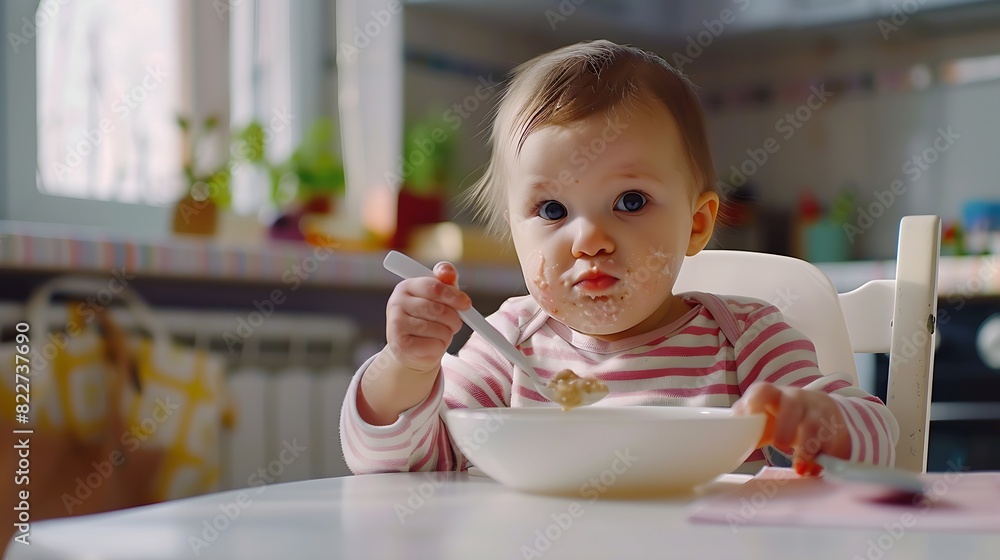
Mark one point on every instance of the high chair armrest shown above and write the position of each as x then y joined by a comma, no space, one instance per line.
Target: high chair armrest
868,313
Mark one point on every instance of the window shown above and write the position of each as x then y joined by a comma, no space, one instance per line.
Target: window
110,80
92,90
260,70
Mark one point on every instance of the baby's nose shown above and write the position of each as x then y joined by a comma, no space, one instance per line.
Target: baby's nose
591,239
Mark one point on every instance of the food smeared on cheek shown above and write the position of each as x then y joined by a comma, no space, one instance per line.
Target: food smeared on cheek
539,278
543,291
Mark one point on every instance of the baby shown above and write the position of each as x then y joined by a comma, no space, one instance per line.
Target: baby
601,175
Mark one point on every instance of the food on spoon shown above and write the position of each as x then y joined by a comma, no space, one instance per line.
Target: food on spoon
570,387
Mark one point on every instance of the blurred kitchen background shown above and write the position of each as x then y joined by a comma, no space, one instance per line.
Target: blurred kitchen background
245,164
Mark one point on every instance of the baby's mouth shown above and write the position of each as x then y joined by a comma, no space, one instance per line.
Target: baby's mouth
594,281
597,283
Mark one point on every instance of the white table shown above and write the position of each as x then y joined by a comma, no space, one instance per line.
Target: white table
449,515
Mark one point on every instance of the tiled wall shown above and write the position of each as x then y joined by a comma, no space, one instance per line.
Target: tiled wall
866,138
472,55
860,139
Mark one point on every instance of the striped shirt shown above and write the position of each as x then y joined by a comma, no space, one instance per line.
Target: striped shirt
690,362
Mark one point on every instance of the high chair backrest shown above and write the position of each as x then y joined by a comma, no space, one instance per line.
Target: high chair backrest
895,316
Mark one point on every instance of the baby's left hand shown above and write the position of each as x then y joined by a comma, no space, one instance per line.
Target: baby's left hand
806,422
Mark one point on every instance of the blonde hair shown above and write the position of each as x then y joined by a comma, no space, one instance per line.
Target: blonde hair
571,84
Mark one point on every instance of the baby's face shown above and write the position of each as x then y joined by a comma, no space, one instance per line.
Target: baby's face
601,214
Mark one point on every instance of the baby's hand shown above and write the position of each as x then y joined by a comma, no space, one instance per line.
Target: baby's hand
807,422
422,318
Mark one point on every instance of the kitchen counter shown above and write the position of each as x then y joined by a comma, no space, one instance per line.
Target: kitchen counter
957,276
237,278
43,247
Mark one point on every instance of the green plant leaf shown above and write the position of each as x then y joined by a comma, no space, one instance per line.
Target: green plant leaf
317,164
220,190
252,143
427,152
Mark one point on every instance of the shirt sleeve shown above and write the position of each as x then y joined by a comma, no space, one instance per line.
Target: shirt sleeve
419,439
771,351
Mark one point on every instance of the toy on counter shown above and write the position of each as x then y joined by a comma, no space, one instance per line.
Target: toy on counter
820,235
952,240
981,226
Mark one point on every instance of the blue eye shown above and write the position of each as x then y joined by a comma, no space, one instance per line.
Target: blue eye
552,210
630,202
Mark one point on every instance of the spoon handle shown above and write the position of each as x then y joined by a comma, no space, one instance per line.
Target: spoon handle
887,476
405,267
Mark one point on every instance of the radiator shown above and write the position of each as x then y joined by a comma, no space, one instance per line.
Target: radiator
288,379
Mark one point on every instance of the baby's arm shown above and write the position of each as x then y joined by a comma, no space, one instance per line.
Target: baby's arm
812,413
417,439
408,443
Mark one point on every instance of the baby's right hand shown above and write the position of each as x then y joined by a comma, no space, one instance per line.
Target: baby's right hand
422,318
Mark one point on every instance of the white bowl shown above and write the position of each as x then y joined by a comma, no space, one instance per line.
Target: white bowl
604,451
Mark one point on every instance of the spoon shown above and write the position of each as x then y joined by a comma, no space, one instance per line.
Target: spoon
405,267
899,480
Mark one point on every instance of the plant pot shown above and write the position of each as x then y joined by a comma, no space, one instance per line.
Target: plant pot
196,217
415,210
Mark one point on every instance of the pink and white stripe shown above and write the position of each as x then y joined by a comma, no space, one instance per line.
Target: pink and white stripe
687,363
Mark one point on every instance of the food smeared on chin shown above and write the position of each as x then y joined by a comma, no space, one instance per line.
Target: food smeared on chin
570,388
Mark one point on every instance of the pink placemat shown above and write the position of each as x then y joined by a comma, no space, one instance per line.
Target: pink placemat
953,502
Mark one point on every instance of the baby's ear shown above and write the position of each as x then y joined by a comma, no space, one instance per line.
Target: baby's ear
706,209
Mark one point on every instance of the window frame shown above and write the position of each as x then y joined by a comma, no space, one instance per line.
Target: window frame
20,198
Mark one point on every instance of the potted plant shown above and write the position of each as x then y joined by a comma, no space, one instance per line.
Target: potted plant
208,191
310,181
428,146
318,169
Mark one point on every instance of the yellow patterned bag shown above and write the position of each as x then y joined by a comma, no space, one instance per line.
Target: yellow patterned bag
119,418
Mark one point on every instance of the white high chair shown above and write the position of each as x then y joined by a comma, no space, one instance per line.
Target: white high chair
895,316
